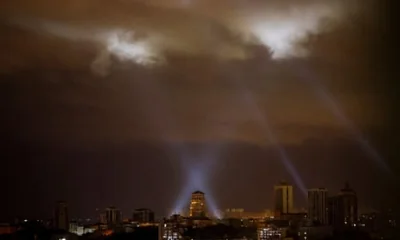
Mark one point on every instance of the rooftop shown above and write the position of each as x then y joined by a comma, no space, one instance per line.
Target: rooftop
198,192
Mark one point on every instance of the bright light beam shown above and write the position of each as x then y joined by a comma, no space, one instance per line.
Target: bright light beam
185,193
196,172
263,119
197,180
152,93
330,101
203,184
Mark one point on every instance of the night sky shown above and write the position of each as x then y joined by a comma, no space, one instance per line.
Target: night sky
112,103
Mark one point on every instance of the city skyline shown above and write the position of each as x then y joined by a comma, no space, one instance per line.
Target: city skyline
196,207
137,104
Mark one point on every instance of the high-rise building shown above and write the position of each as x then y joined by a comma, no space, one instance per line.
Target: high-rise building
318,205
283,198
143,215
113,216
197,205
343,208
61,216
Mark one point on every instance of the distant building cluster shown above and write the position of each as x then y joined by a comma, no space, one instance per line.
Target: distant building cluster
325,214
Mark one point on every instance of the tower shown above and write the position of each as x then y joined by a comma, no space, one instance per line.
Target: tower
61,216
318,204
283,198
343,208
197,205
113,216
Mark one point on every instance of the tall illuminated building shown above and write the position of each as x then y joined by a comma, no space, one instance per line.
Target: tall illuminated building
197,205
283,193
61,216
318,205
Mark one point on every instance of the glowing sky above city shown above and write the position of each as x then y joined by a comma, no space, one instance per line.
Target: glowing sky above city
101,93
144,31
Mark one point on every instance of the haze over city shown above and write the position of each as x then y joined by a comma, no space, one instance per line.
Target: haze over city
140,103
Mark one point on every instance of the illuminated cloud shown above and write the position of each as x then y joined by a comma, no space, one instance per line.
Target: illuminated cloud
126,48
283,36
148,32
124,44
278,25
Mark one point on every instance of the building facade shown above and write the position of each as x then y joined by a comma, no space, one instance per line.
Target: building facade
143,215
197,205
318,205
343,208
240,213
113,216
170,229
283,193
61,220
